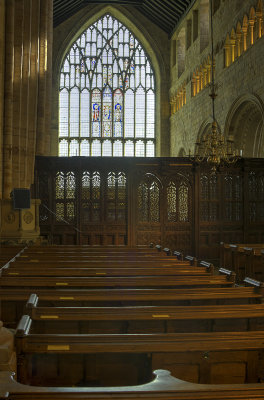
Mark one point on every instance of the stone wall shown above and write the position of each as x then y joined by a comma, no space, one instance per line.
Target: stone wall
239,106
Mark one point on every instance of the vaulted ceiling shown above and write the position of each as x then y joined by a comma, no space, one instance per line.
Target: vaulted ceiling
164,13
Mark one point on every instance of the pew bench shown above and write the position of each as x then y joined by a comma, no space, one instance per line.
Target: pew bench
107,281
186,353
14,300
163,386
105,270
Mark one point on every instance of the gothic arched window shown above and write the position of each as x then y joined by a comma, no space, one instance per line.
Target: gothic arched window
107,95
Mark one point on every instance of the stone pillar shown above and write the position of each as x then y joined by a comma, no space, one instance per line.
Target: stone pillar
17,92
33,93
244,32
8,103
41,125
48,77
2,86
238,43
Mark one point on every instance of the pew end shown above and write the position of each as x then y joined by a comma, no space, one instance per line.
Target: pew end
167,251
230,275
178,255
209,266
192,260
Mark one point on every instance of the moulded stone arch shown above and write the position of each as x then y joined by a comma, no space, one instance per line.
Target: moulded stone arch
245,122
146,40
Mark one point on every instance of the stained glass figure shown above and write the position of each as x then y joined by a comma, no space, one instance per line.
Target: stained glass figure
107,91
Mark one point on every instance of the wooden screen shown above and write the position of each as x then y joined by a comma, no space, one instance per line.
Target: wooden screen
128,201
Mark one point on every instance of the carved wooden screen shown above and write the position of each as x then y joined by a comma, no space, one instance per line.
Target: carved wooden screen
255,203
178,218
164,210
83,205
135,201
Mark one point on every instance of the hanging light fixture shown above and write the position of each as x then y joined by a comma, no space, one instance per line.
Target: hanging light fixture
215,148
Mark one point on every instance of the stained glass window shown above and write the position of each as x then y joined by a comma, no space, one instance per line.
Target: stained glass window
107,95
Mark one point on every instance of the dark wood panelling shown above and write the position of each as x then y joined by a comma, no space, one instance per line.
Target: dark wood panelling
168,200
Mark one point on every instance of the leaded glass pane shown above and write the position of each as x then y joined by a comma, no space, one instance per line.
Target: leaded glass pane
64,113
96,113
96,148
106,91
84,113
74,112
140,113
140,149
129,148
84,148
107,148
63,148
150,128
74,148
129,116
117,149
107,112
150,149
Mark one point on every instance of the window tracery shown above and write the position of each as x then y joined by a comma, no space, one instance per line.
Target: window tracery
107,95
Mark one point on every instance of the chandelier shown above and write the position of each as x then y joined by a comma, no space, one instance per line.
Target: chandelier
215,148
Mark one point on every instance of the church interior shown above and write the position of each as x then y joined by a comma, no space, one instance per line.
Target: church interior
131,199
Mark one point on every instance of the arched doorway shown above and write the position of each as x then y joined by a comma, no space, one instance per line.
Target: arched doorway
245,124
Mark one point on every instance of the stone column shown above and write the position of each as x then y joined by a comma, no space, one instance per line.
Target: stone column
8,102
41,125
33,93
2,85
48,77
25,77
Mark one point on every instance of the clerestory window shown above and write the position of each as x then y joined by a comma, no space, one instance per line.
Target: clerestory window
107,95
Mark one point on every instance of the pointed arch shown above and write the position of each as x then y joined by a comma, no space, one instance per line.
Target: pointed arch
107,60
69,32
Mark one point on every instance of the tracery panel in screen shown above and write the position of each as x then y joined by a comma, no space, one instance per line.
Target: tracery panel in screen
107,95
116,197
65,196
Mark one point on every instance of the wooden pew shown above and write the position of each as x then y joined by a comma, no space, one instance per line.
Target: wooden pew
181,350
110,281
163,386
244,259
106,271
14,300
88,263
147,313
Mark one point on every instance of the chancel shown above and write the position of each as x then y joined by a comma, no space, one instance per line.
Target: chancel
132,198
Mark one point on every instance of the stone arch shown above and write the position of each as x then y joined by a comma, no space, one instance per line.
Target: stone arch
202,133
245,122
149,44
